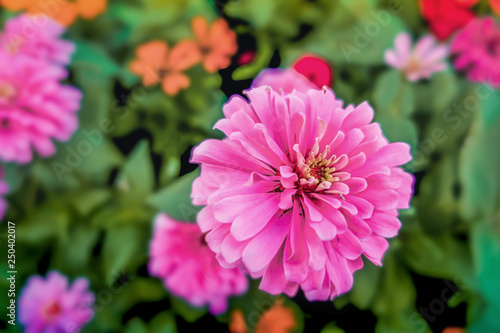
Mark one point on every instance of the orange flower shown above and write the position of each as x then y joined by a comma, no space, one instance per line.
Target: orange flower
453,330
237,323
64,11
217,43
156,63
277,319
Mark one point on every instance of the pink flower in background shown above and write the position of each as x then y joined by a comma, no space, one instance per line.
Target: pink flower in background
418,62
285,80
477,50
180,256
38,37
51,305
4,188
34,107
317,70
300,189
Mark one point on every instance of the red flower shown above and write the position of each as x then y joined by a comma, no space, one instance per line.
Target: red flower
317,70
446,16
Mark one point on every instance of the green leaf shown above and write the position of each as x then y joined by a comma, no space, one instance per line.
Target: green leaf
136,176
86,201
75,251
175,199
437,203
486,251
332,328
92,57
393,95
479,164
365,285
163,323
48,221
122,247
186,311
136,325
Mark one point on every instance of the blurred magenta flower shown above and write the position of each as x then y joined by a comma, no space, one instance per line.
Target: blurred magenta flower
180,256
217,43
418,62
317,70
477,50
51,305
35,107
300,189
156,63
4,188
283,80
38,37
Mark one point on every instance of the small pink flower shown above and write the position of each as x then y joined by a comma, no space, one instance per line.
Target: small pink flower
283,80
477,48
317,70
4,188
419,62
180,256
50,305
34,107
37,36
300,189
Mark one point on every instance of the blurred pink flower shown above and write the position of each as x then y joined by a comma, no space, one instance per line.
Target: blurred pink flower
315,69
300,189
34,107
477,49
51,305
285,80
37,36
418,62
4,188
180,256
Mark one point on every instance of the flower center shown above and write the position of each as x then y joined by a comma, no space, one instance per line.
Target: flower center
51,310
317,172
6,91
412,66
319,169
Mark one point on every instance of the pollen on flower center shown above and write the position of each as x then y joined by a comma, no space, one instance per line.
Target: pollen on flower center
321,170
52,310
412,66
318,172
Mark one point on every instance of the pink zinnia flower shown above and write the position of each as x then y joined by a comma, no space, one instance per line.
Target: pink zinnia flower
478,51
4,188
50,305
300,189
418,62
283,80
37,36
180,256
34,107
